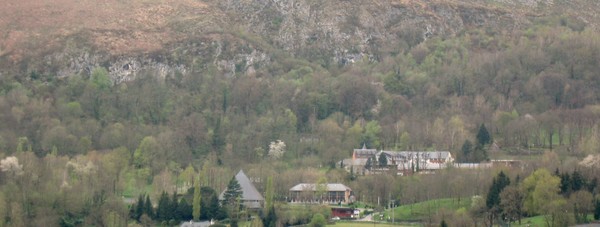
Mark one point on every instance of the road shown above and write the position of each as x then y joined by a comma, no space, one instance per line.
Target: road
366,218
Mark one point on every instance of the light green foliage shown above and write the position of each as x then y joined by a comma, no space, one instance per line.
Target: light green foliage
148,155
371,133
541,192
404,141
318,221
457,133
396,83
353,133
143,176
74,109
269,194
256,222
290,120
186,178
423,210
115,163
196,208
100,78
321,187
113,219
300,75
95,96
22,144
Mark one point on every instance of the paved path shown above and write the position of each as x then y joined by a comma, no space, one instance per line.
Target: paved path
367,218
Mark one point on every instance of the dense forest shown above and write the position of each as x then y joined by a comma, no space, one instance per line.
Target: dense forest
76,149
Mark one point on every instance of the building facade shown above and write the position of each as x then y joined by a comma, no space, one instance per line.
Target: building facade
369,161
320,193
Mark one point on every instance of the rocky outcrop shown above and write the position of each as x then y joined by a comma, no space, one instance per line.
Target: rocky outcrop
230,55
120,69
239,36
351,30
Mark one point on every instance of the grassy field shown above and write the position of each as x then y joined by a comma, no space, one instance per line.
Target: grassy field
420,211
365,224
537,221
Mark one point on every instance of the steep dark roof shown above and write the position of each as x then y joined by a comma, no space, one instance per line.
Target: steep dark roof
364,153
249,192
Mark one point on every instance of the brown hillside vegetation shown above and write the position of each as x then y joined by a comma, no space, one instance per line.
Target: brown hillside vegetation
113,25
120,27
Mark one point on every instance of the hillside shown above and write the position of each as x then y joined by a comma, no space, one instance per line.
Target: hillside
103,101
73,36
388,74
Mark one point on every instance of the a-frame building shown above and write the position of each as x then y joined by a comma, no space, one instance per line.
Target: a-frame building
251,198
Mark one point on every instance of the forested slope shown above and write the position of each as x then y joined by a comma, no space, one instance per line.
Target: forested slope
142,103
527,87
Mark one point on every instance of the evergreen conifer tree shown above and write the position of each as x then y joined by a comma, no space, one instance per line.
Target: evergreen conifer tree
233,191
174,206
466,151
369,163
184,210
383,160
139,208
493,197
565,183
162,211
443,224
578,182
231,198
271,219
483,136
148,210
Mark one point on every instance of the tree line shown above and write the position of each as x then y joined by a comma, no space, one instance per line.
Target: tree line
551,195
